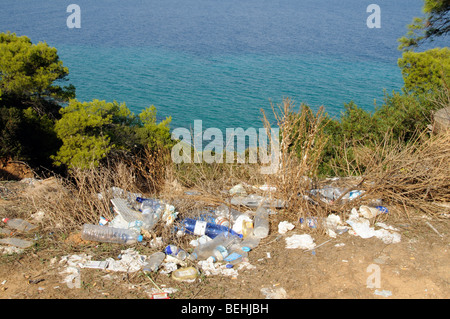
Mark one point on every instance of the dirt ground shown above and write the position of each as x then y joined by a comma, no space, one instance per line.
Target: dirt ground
346,267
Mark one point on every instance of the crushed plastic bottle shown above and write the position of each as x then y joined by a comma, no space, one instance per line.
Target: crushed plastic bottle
110,234
154,261
19,224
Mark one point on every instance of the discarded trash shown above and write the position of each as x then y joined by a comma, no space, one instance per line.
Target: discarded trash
371,212
304,241
201,240
249,243
200,228
235,258
256,200
129,261
284,227
95,264
383,293
311,222
19,224
4,231
185,274
216,248
210,267
110,234
16,242
274,293
261,223
238,225
154,261
238,190
361,227
121,207
173,250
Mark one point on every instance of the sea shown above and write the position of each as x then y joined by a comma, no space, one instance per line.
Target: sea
222,62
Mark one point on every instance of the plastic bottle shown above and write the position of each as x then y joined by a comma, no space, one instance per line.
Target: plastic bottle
235,257
110,234
185,273
250,243
216,248
175,251
200,228
261,223
149,205
154,261
17,242
19,224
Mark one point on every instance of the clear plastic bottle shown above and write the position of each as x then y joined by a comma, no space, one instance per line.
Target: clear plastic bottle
200,228
17,242
261,223
216,248
250,243
235,257
19,224
154,261
110,234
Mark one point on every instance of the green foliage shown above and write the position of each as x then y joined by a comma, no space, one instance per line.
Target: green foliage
425,71
29,74
435,23
91,131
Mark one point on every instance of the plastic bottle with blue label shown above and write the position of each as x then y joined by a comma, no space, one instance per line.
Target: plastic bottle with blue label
200,228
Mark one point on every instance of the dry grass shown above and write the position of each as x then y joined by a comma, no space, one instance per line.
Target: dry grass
414,176
302,141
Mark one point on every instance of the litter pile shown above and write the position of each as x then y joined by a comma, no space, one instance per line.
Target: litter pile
222,237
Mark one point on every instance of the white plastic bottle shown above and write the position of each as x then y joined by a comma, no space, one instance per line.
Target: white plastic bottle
154,261
19,224
261,223
110,234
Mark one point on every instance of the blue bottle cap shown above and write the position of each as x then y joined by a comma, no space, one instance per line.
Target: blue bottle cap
245,248
140,238
229,266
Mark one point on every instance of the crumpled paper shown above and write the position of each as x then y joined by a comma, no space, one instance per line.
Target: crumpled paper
361,227
304,241
284,227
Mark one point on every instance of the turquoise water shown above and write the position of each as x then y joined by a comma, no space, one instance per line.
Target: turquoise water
221,61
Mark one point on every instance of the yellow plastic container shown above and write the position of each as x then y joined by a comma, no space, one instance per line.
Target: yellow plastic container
185,273
247,228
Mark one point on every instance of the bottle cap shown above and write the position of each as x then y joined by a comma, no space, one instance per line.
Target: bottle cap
245,248
140,238
5,220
